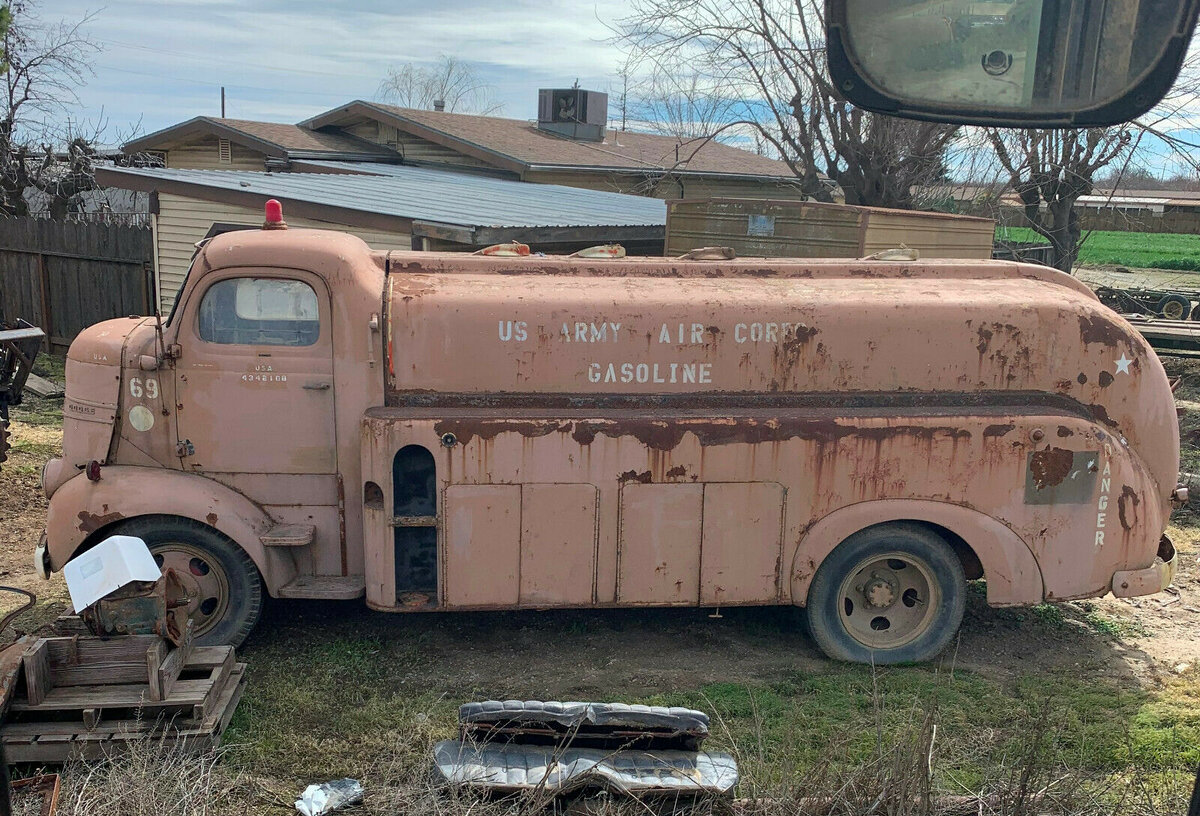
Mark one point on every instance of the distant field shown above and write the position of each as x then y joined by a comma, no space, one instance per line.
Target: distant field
1146,250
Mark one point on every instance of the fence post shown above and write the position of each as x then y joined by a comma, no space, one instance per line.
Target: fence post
44,280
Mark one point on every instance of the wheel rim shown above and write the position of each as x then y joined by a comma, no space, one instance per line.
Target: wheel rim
1173,310
888,600
203,578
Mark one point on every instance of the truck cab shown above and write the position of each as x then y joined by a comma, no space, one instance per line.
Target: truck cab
441,432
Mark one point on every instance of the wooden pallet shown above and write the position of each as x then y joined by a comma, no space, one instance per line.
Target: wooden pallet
82,697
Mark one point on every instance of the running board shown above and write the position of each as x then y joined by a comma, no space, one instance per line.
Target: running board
325,587
288,535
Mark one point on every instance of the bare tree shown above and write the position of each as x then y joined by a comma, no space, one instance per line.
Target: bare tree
1050,170
676,100
5,22
46,62
450,80
764,61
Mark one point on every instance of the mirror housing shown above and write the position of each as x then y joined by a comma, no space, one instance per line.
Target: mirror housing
1008,63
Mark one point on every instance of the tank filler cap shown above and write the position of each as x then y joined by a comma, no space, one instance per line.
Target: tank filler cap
274,216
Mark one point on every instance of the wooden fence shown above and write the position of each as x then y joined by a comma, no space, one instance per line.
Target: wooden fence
64,277
1184,221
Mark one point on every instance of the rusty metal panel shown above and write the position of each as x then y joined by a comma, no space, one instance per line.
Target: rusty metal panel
558,544
482,551
1059,476
770,229
742,536
659,548
933,235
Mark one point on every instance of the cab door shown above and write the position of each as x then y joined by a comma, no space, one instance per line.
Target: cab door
255,375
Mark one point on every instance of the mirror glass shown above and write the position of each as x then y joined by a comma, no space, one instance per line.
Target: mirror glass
1009,55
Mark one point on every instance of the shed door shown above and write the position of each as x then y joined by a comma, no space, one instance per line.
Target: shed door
255,375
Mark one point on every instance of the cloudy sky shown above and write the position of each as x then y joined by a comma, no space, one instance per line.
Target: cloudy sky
164,61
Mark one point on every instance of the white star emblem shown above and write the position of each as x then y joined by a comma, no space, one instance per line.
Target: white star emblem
1123,364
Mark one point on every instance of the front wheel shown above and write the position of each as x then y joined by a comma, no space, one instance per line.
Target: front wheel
223,586
894,593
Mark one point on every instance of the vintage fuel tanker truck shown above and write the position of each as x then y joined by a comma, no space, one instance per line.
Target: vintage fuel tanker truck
457,432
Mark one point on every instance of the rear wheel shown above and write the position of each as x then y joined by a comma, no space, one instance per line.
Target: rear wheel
1174,307
894,593
223,586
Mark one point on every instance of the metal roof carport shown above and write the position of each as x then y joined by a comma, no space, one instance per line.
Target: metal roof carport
440,209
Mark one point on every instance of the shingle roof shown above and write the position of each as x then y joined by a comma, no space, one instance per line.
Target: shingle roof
524,143
287,140
418,193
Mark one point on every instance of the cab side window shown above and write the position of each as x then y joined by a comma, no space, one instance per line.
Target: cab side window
260,312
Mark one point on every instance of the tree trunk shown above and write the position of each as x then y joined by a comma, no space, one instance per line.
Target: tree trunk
59,207
1063,232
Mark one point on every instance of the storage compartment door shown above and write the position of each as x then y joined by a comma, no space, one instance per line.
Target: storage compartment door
558,544
743,528
659,555
482,555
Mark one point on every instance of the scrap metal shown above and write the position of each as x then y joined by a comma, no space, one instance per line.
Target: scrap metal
514,746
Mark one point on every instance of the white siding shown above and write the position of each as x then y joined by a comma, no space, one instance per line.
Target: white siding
182,221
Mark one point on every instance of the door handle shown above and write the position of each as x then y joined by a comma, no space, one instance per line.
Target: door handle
321,386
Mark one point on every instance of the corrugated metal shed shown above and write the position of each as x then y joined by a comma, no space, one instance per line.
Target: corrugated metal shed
793,229
423,194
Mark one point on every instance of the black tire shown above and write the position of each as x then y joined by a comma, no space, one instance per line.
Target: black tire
869,567
223,562
1174,307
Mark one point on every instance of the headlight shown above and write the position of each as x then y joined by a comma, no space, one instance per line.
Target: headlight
53,475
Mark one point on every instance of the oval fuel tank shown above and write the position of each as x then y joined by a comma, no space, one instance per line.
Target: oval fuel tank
822,332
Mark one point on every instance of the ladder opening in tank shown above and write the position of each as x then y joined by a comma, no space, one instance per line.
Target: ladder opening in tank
414,505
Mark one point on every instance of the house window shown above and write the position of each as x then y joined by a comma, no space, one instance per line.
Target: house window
224,151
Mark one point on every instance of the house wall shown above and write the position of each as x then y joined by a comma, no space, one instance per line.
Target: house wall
203,154
412,148
182,221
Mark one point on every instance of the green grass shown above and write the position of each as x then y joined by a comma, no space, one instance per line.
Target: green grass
1146,250
333,698
51,366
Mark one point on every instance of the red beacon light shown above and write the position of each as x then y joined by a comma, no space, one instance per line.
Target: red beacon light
274,216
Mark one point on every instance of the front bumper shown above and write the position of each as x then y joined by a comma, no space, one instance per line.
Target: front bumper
41,559
1154,578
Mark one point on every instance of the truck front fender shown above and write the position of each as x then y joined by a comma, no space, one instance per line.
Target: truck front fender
1012,572
81,511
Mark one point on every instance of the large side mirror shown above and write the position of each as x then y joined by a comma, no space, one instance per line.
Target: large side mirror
1017,63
